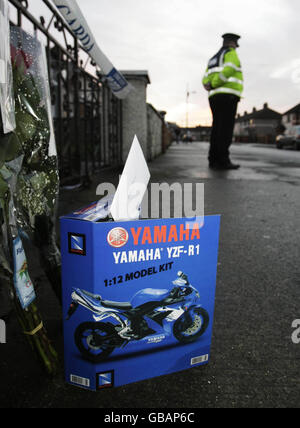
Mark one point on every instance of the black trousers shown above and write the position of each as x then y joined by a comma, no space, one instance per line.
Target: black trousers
224,109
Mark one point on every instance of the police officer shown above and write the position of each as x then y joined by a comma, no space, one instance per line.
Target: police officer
224,82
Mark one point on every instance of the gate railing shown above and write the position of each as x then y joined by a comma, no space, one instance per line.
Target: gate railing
87,117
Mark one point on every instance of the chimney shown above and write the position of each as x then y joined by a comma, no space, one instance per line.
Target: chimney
266,106
254,110
245,113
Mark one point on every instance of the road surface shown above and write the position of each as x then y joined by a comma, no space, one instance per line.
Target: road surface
254,362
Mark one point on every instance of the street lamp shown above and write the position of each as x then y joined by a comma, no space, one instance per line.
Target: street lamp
188,94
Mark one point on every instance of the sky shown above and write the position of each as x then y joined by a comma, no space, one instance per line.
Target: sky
174,39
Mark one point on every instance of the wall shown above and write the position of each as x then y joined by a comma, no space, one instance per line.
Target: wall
167,138
142,119
135,111
155,125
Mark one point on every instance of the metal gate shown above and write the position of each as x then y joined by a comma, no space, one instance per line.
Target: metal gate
87,117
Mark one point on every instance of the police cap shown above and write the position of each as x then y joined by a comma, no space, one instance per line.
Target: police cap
231,37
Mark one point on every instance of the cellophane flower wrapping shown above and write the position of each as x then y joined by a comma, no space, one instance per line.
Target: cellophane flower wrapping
29,179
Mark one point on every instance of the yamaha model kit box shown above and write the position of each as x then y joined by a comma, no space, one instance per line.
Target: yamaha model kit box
138,297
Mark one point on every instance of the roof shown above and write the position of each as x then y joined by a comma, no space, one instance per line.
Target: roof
138,74
295,109
265,114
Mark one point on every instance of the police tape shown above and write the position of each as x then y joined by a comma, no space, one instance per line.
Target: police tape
72,14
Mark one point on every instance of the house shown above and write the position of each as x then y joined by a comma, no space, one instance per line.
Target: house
292,117
198,133
258,126
204,132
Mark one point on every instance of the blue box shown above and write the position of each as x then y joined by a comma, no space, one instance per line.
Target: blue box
138,297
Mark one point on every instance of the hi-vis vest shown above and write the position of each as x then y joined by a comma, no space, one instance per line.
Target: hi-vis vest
224,73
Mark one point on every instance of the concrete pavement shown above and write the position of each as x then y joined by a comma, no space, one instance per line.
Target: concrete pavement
254,362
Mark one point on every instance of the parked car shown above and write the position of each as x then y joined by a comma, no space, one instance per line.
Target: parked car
297,137
291,138
284,141
188,138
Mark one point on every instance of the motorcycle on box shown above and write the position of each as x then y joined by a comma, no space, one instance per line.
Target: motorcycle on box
152,314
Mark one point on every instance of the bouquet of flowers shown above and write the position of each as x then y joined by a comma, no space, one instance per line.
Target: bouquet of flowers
28,191
14,275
